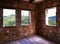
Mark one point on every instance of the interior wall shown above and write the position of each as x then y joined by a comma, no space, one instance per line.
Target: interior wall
18,31
49,32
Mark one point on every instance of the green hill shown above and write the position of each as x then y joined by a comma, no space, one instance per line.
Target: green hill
52,22
9,21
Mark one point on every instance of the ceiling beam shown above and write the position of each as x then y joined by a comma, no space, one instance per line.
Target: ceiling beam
30,1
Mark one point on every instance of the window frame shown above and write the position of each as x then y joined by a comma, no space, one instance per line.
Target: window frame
29,20
55,13
15,17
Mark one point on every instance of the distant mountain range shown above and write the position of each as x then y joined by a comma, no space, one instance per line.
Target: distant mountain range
52,18
8,16
4,16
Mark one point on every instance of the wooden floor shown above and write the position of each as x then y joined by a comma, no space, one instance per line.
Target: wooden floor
31,40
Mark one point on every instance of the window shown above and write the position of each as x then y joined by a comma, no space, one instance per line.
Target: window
25,17
9,17
50,14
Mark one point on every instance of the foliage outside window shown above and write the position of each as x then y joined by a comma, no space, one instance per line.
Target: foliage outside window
25,17
9,17
51,16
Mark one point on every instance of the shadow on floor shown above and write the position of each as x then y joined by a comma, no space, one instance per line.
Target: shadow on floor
31,40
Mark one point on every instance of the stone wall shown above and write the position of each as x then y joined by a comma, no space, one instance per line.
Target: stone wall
50,32
18,31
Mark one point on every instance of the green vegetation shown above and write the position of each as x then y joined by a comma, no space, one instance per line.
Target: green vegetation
9,21
24,20
52,22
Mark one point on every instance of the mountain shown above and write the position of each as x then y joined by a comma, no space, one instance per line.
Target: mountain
4,16
52,18
9,20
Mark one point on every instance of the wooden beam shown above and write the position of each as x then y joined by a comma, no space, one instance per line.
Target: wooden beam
31,1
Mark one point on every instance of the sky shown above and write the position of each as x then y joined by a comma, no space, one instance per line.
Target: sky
25,12
7,12
51,12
